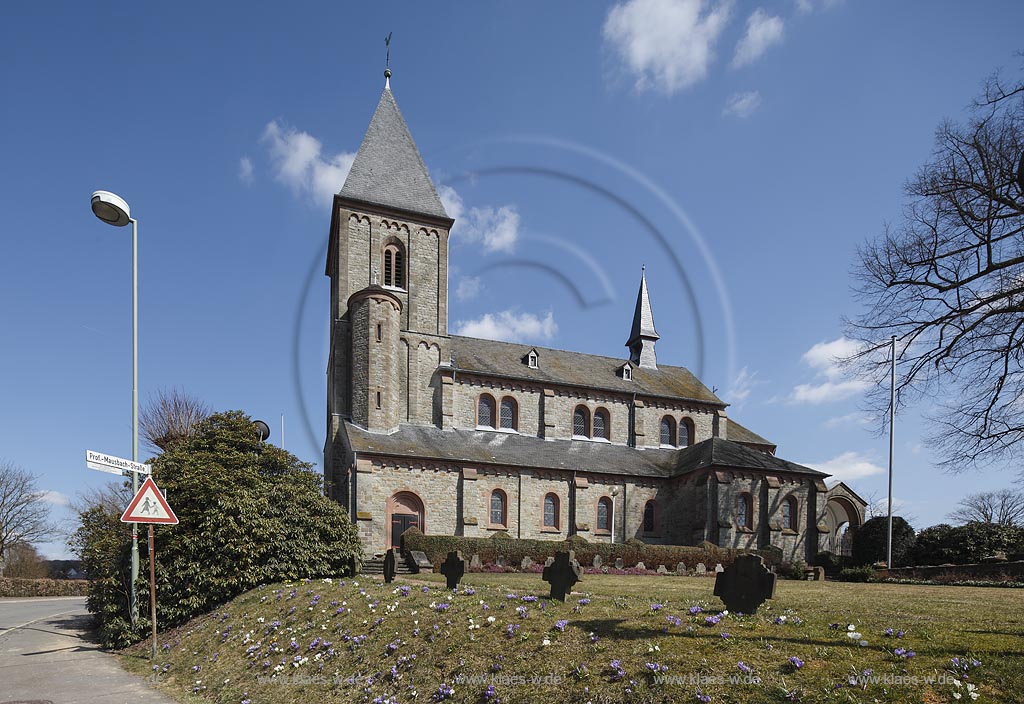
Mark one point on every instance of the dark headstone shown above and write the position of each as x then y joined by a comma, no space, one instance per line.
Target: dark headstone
390,566
619,564
420,561
454,568
562,573
746,584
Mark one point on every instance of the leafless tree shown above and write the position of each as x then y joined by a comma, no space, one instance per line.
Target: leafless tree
948,282
170,415
24,562
24,515
1005,507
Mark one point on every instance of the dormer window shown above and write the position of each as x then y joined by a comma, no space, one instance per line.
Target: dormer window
531,359
626,372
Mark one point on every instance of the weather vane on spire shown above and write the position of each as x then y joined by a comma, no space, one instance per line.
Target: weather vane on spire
387,60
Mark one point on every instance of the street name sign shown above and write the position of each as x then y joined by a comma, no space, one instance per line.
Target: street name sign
149,506
113,465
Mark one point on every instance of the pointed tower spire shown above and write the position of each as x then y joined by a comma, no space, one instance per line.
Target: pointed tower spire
388,169
643,335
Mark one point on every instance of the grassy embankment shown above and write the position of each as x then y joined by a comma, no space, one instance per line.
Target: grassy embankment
356,641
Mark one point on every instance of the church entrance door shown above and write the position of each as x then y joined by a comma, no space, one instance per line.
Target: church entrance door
404,511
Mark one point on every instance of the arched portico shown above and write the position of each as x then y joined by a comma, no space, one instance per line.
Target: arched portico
842,517
404,510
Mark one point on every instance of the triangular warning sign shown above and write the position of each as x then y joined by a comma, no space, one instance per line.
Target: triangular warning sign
149,506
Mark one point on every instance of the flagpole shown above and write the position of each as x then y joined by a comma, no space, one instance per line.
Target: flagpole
152,588
892,429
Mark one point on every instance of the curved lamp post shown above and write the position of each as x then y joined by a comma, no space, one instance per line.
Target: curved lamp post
113,210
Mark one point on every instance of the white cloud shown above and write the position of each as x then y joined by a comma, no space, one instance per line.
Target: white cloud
299,163
56,498
469,288
763,32
848,419
741,386
496,228
807,6
666,44
824,359
742,104
510,326
245,170
847,466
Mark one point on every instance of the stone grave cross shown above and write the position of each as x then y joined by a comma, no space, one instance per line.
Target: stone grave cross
745,584
562,574
453,568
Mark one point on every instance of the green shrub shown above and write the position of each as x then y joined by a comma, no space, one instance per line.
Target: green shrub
791,570
857,574
870,541
10,587
250,513
828,560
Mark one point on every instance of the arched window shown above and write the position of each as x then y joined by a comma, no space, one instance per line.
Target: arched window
498,508
509,414
668,431
604,514
789,513
649,517
551,511
394,265
686,432
485,412
581,422
602,428
744,509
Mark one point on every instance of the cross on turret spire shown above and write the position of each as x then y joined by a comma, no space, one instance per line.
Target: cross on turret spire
643,335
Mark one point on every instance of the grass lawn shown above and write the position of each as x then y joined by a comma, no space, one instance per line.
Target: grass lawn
412,641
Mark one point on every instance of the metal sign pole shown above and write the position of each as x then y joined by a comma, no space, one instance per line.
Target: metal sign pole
152,588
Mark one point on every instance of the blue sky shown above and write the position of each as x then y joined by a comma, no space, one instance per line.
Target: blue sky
760,142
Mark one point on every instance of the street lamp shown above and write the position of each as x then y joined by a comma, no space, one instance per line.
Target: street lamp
113,210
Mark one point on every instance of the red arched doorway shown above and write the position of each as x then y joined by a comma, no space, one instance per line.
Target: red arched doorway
404,511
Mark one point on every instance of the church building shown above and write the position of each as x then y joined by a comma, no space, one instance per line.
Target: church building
471,437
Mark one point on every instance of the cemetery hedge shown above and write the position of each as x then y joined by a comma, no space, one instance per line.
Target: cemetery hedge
10,587
437,547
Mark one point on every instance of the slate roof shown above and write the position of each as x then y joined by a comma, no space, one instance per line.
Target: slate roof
739,433
514,450
388,169
505,359
643,318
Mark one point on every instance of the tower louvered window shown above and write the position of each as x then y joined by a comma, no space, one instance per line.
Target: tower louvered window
394,266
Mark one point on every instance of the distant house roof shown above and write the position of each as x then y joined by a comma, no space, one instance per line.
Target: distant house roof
524,451
388,169
740,433
504,359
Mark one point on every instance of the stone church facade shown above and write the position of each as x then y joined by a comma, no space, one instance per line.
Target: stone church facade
462,436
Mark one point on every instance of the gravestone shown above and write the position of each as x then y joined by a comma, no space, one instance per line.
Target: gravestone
562,573
700,569
719,569
420,561
597,562
454,568
819,574
619,564
641,566
746,584
475,564
390,566
500,561
662,569
526,564
681,568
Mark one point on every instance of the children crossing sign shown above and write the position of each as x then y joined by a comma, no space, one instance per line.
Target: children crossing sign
149,506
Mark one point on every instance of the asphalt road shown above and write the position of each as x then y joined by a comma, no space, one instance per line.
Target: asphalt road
47,656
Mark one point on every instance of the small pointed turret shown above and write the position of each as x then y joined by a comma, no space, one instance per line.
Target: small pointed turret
643,335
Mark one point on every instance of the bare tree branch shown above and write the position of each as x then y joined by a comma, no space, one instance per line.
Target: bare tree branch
1005,507
169,416
948,282
24,515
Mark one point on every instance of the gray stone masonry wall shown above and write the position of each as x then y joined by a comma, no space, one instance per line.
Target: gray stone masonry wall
467,391
476,503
